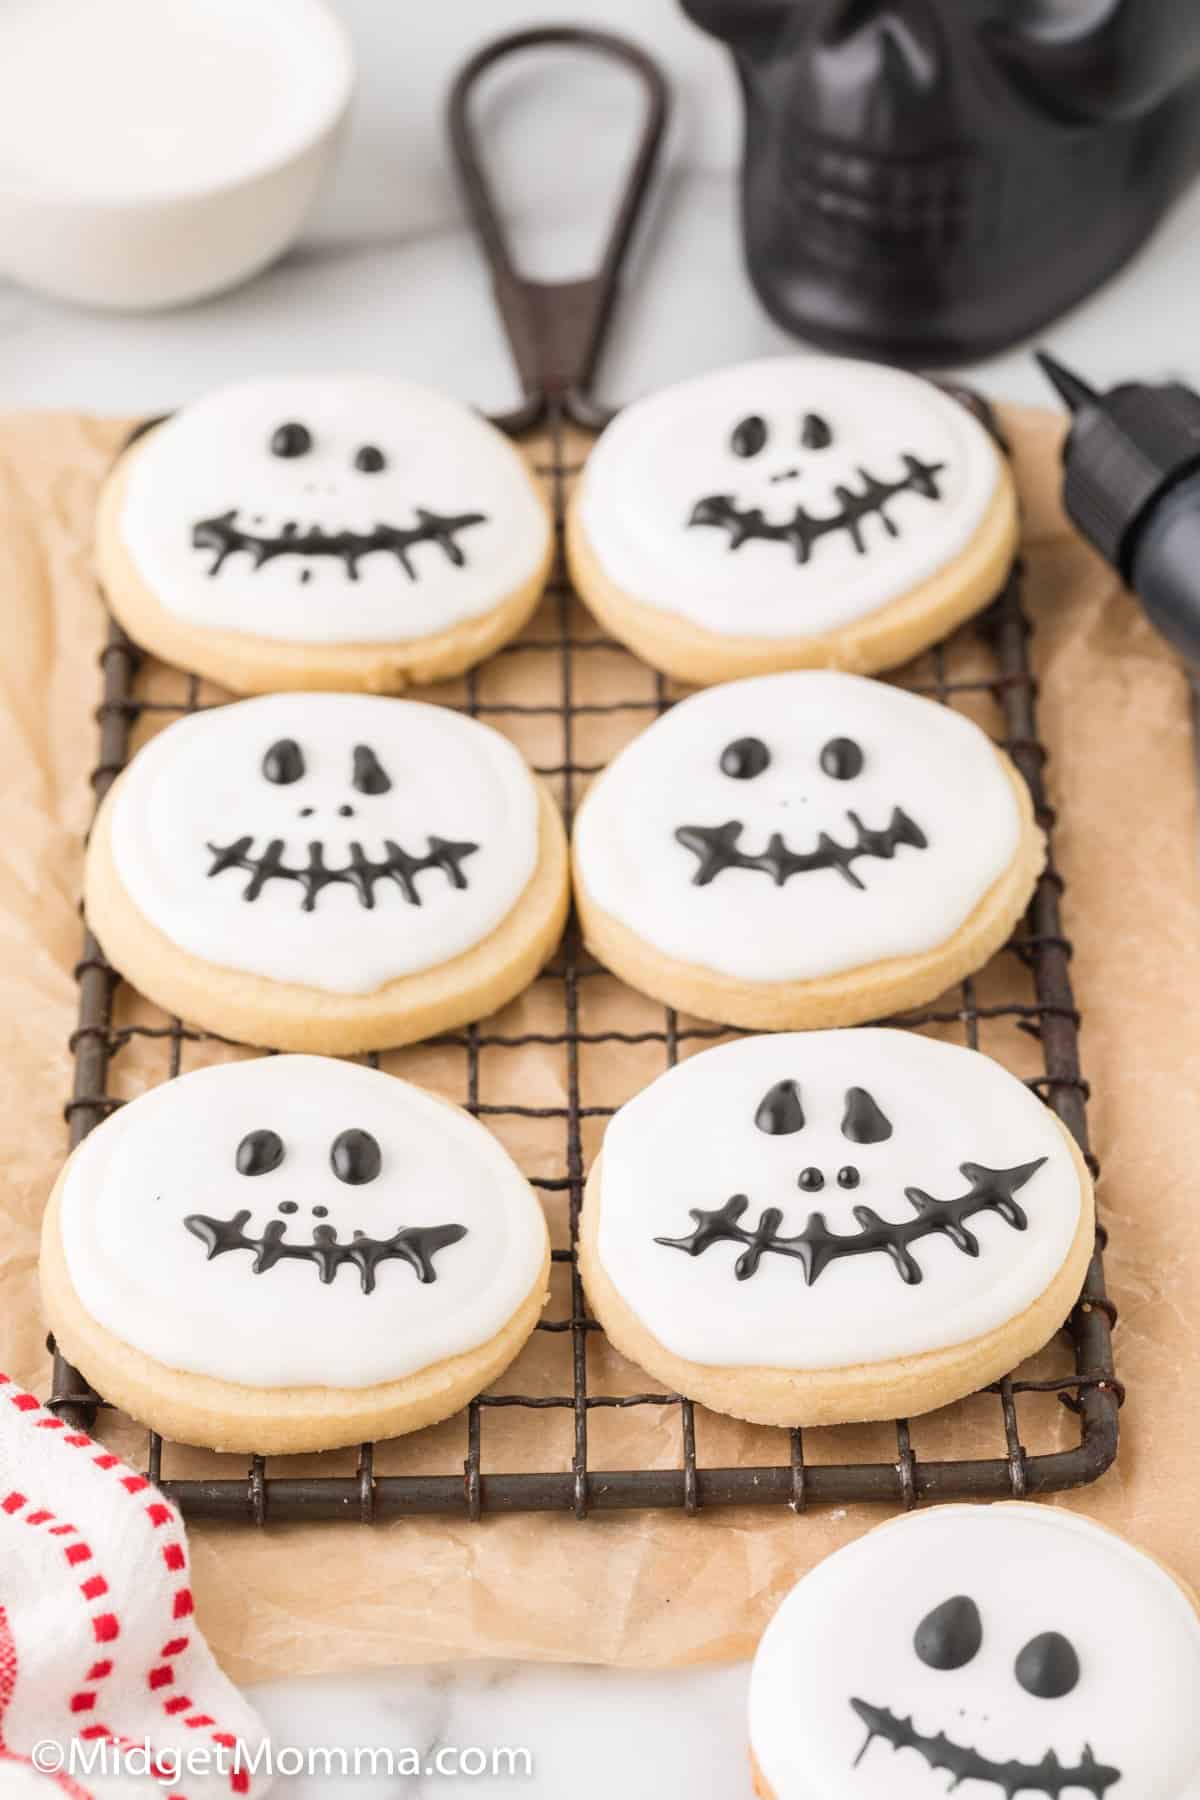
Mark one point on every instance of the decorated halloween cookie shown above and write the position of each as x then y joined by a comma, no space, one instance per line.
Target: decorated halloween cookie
291,1253
346,532
330,872
804,849
1004,1652
823,1227
799,512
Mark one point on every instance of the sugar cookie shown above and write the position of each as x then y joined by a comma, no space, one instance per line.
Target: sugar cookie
798,512
1001,1651
804,849
291,1253
346,532
331,872
824,1227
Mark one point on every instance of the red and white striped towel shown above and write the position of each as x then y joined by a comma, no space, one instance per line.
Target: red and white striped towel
98,1642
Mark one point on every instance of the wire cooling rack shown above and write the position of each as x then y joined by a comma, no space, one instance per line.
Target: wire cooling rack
584,1043
569,697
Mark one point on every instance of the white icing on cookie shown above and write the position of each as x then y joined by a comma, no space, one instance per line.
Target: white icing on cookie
173,1154
948,1122
923,776
909,471
221,527
362,779
1040,1601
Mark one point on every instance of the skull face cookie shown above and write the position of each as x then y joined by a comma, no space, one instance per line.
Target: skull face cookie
327,871
804,849
994,1651
826,1227
291,1253
323,531
799,512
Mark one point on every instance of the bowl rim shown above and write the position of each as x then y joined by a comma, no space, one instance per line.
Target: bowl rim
327,119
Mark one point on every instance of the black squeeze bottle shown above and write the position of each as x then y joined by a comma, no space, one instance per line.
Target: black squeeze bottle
1131,485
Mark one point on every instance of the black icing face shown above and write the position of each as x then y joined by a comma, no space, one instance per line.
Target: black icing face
314,470
841,760
355,1189
284,767
928,180
782,1113
792,501
1046,1668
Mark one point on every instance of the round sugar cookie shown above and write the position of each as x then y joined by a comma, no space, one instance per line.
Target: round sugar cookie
998,1652
332,872
796,512
291,1253
826,1227
348,532
804,849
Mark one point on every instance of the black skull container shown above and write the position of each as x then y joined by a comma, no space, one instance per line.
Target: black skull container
930,180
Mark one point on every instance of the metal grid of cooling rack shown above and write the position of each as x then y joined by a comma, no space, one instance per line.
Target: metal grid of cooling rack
1033,997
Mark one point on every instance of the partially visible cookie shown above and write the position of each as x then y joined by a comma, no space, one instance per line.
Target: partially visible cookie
332,872
1002,1651
804,849
821,1228
349,532
798,512
290,1254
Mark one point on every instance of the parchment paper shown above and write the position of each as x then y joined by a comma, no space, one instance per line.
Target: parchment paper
652,1588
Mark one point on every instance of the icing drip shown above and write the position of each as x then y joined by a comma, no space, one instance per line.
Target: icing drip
223,535
361,872
716,847
1050,1776
416,1245
804,530
817,1246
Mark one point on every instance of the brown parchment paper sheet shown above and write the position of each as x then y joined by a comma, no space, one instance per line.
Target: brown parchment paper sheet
651,1588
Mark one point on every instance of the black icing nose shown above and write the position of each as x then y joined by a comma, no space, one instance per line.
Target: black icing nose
812,1180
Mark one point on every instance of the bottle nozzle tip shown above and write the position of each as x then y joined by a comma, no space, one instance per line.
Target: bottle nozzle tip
1071,389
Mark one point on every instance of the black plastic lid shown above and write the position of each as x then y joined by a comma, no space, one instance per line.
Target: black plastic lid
1126,447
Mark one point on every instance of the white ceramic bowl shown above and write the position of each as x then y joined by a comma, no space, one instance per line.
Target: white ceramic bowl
155,151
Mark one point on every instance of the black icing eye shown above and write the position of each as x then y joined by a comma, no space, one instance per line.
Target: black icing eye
1048,1667
950,1635
284,762
842,758
370,776
864,1121
779,1110
354,1157
748,436
810,1181
744,758
259,1152
291,439
815,433
370,460
848,1177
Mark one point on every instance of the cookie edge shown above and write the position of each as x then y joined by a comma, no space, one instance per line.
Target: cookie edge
283,1015
882,639
857,1393
245,664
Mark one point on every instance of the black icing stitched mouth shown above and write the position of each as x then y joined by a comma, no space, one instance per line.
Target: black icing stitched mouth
716,846
361,872
416,1245
804,530
1050,1776
226,537
817,1246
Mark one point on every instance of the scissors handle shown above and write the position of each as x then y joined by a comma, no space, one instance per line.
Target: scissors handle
555,328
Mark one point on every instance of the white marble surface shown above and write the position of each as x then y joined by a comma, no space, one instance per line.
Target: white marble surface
388,278
591,1734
